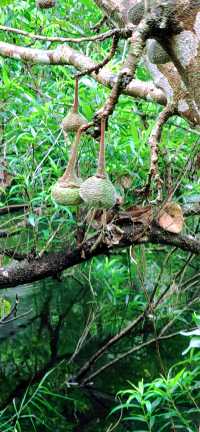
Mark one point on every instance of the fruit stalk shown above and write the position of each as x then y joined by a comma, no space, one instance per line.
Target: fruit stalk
75,105
70,170
101,162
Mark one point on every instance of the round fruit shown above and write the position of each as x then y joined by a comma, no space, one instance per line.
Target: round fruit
73,121
98,192
67,193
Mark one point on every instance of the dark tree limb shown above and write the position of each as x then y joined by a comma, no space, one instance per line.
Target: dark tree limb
11,253
13,208
124,234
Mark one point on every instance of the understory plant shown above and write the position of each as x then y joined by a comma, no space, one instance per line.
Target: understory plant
168,403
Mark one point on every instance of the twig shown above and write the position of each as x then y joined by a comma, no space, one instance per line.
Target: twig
193,151
13,254
126,354
49,241
100,65
16,317
170,323
88,364
83,337
7,234
99,24
13,208
169,183
123,33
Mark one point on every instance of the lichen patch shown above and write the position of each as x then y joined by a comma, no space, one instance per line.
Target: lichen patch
197,25
185,47
183,106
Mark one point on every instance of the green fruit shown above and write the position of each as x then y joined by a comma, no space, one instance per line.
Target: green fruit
45,4
98,192
73,121
67,193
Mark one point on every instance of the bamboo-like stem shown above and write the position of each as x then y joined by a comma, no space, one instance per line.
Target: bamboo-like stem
101,161
70,170
75,105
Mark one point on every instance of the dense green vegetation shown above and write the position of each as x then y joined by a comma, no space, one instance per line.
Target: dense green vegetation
62,322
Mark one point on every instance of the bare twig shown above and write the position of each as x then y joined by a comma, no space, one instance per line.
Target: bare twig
83,337
98,25
13,208
123,33
88,364
104,62
126,354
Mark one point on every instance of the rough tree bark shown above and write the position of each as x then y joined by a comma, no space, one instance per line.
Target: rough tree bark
121,234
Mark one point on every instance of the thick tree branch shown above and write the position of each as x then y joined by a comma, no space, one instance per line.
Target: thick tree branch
124,234
65,55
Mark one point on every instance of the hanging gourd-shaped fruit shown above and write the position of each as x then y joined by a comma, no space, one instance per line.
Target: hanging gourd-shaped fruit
170,218
73,120
66,190
98,191
45,4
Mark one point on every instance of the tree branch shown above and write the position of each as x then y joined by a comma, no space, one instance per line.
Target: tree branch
154,140
127,71
104,62
126,354
124,234
123,33
88,364
13,208
65,55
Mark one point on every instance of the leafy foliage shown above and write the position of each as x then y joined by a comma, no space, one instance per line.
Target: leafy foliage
166,402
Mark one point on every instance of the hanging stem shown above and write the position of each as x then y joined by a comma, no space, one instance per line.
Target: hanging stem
101,161
75,105
69,172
